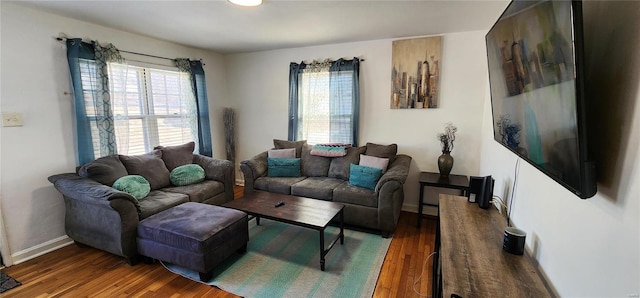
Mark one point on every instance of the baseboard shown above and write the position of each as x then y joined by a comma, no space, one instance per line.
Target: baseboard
427,210
41,249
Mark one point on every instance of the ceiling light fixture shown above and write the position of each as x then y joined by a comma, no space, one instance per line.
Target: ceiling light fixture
246,2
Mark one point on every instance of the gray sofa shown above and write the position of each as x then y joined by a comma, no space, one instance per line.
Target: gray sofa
327,178
103,217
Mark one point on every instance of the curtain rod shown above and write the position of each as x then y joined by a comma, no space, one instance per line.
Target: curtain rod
130,52
360,59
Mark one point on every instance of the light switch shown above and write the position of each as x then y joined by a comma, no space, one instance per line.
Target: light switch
11,119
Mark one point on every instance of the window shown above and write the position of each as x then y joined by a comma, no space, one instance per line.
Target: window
150,107
324,103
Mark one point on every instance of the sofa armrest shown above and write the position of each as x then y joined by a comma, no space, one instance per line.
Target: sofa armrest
390,189
253,169
89,191
397,171
219,170
99,215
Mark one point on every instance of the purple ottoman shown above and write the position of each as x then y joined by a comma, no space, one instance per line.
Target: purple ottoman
194,235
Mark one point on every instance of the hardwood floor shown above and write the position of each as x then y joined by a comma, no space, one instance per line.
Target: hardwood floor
73,271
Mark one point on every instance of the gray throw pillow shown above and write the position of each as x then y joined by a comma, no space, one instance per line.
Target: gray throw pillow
105,170
340,166
282,153
175,156
383,151
314,166
284,144
150,166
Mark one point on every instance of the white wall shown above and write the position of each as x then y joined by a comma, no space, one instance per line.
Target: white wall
34,81
258,89
588,248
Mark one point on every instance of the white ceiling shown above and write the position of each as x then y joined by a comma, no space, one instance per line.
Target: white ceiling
222,27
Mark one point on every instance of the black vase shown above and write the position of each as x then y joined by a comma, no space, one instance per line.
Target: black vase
445,163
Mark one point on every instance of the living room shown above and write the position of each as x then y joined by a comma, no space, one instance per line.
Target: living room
583,247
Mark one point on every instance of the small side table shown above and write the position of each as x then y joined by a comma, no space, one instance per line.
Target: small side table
460,182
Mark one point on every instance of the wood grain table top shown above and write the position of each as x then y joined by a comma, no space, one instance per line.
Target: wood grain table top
473,261
300,211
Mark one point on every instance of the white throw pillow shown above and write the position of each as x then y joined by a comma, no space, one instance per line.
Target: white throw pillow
282,153
374,162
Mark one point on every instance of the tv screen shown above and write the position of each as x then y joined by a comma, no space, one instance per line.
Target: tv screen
535,53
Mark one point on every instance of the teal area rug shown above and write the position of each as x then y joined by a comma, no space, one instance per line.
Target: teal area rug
284,261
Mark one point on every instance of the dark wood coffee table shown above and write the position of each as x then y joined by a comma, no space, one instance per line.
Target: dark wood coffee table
299,211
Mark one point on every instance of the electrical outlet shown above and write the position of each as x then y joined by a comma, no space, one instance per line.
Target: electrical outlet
11,119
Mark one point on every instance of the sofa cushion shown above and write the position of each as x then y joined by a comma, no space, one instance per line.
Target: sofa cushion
316,187
175,156
158,200
283,167
105,170
186,174
313,166
134,185
150,166
339,167
384,151
282,153
277,184
284,144
374,162
198,192
362,176
347,193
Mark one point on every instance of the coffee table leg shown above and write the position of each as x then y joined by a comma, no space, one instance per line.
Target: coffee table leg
257,220
342,227
322,251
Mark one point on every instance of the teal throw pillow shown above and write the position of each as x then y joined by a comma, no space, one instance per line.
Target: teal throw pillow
134,185
362,176
283,167
186,174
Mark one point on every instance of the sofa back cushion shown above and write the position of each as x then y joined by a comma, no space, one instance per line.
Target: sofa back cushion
175,156
105,170
150,166
383,151
339,167
284,144
314,166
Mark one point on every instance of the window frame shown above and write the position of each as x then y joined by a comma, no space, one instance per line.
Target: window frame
336,70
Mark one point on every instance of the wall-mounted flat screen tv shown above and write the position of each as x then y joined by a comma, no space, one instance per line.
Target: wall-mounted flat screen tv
535,52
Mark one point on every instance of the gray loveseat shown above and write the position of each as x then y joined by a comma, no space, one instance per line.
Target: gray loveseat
327,178
103,217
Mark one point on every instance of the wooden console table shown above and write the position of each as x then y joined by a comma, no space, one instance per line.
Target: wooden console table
470,256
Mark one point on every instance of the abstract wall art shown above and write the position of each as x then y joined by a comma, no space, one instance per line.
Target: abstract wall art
415,73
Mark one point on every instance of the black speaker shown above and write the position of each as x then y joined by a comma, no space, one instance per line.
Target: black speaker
486,193
482,188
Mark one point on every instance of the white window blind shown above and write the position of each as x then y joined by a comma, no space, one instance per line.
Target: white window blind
325,107
150,106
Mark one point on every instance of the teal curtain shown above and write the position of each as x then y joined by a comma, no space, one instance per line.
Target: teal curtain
92,103
202,103
344,90
295,71
345,99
